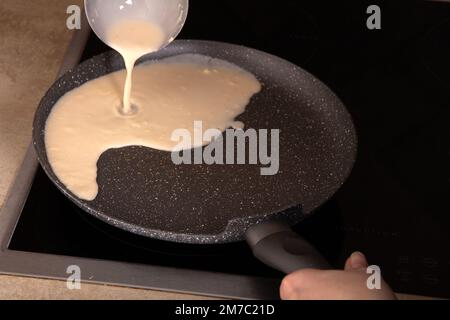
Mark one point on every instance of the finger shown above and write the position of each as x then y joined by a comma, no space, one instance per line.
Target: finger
293,285
289,287
356,261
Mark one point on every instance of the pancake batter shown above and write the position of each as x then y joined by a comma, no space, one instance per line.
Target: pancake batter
133,39
171,94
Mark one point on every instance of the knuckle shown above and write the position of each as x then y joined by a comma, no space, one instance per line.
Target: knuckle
291,284
286,289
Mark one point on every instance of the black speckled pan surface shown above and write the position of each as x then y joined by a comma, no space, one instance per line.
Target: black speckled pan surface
142,191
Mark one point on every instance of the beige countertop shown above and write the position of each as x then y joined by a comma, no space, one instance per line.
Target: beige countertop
33,40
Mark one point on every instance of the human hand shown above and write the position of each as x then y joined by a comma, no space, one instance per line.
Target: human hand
347,284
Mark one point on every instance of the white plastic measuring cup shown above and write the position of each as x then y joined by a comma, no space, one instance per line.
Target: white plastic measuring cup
169,15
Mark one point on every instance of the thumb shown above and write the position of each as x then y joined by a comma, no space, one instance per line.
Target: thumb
356,261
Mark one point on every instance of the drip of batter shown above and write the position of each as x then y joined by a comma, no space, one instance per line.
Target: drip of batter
133,39
171,94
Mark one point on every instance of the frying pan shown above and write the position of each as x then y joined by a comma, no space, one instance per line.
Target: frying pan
143,192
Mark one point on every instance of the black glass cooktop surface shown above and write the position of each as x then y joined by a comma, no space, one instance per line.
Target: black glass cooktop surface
396,84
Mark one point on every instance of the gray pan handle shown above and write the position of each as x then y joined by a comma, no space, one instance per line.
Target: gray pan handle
275,244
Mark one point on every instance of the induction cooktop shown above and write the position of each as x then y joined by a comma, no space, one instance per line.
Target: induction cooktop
395,82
